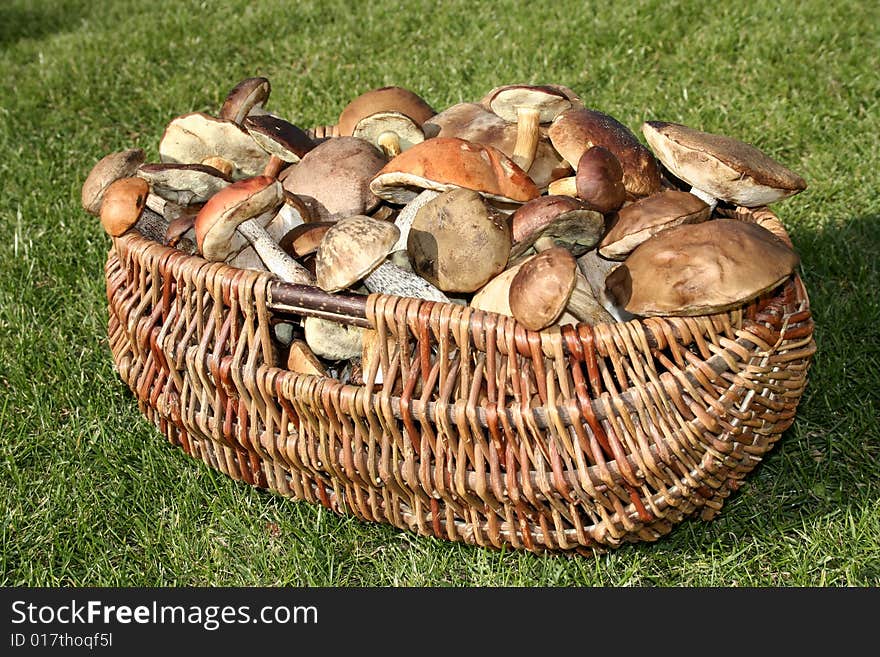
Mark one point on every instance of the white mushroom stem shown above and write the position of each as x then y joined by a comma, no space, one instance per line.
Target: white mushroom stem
388,278
273,256
408,213
528,121
390,143
563,187
710,200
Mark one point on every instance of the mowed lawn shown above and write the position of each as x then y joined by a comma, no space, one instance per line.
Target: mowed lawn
93,495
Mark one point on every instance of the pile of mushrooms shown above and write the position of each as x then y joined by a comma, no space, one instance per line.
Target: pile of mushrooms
524,202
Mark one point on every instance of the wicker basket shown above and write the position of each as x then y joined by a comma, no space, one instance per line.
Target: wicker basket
576,439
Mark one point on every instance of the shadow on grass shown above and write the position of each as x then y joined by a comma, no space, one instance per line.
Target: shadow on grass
34,21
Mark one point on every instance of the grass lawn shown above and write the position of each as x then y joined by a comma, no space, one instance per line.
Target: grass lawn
92,495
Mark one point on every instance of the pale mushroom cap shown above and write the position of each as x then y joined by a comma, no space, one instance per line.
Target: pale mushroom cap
726,168
279,137
195,137
564,219
494,295
334,177
649,215
443,163
215,224
351,249
578,129
383,99
457,241
701,269
372,127
109,168
541,288
244,97
183,183
548,101
123,204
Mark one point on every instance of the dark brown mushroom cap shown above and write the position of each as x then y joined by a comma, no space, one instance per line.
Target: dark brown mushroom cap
599,180
578,129
334,178
183,183
457,241
547,100
216,223
123,204
351,249
566,220
279,137
443,163
473,122
195,137
726,168
647,216
383,99
541,288
248,94
701,269
111,167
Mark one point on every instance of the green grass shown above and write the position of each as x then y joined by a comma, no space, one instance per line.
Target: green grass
93,495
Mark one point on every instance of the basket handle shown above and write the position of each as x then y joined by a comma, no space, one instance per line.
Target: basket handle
291,298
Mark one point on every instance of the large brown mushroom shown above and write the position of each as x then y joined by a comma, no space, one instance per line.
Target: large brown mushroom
111,167
124,208
552,220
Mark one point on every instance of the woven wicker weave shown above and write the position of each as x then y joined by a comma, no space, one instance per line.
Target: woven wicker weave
577,439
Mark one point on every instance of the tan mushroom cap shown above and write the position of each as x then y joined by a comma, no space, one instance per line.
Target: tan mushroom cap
494,296
443,163
334,178
248,95
111,167
540,290
123,204
216,223
701,269
647,216
384,99
578,129
561,220
473,122
351,249
457,241
726,168
195,137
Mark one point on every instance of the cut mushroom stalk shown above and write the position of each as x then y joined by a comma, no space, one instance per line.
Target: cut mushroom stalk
273,256
527,124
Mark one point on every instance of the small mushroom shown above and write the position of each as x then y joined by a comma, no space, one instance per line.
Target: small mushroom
124,207
553,220
284,142
183,184
235,216
719,167
494,295
111,167
458,241
246,98
356,249
198,138
333,340
579,129
547,285
303,240
302,360
701,269
528,106
443,163
598,181
648,216
333,179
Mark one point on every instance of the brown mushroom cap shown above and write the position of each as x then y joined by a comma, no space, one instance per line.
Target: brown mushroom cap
726,168
647,216
195,137
701,269
383,99
216,223
578,129
351,249
443,163
111,167
494,296
599,180
184,184
247,95
123,204
541,288
278,137
457,241
561,220
333,178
